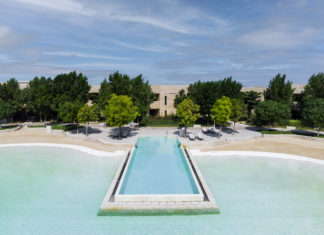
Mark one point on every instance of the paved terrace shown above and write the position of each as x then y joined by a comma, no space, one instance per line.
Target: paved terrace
106,135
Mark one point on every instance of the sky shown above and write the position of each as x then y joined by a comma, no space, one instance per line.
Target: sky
167,41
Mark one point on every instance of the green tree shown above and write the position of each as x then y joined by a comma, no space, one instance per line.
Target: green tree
13,95
68,111
119,111
251,99
6,110
315,86
279,90
104,94
119,83
206,93
187,112
88,114
70,87
181,96
142,95
238,110
270,112
40,96
313,114
136,88
221,111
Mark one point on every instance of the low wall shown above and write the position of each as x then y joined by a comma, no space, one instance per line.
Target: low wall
11,130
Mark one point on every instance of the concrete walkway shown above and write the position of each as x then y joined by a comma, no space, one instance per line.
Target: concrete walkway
106,135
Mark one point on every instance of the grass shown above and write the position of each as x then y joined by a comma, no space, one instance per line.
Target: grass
296,123
290,133
68,127
161,122
7,127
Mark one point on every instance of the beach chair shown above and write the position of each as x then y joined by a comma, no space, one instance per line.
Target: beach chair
212,130
125,133
191,136
199,136
204,130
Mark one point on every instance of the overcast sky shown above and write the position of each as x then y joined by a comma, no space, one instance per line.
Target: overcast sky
168,41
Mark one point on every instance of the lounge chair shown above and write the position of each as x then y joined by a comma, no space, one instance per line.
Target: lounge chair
204,130
199,136
212,130
125,133
191,136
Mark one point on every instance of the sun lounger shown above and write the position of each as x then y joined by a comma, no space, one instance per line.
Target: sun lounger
191,136
212,130
204,130
125,133
199,136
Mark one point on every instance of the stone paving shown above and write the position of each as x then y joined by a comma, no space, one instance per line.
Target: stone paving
106,135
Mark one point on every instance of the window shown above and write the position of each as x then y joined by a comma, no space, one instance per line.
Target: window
165,113
165,100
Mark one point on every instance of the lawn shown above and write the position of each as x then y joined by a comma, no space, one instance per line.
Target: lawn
67,127
7,127
161,122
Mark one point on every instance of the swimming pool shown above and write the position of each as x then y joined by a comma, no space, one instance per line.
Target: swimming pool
158,171
51,190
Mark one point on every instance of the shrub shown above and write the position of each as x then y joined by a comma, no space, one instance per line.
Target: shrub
269,112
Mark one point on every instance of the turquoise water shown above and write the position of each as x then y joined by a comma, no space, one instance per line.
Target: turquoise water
158,166
46,191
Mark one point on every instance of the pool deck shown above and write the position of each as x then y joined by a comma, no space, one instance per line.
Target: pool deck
244,140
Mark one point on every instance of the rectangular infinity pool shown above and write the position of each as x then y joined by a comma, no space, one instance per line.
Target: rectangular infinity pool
158,167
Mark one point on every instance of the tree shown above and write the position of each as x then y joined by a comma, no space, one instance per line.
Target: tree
269,112
119,83
315,86
188,112
136,88
313,114
142,95
251,99
279,90
88,114
70,87
13,95
6,110
119,111
68,111
104,94
238,110
206,93
221,111
40,96
179,97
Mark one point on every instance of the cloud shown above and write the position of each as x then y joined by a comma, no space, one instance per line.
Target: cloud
277,37
70,6
83,55
155,48
10,39
174,16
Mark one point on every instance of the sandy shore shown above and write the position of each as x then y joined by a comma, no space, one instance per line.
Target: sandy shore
27,136
274,143
277,144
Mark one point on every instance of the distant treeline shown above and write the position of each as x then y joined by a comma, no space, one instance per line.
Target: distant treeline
59,99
